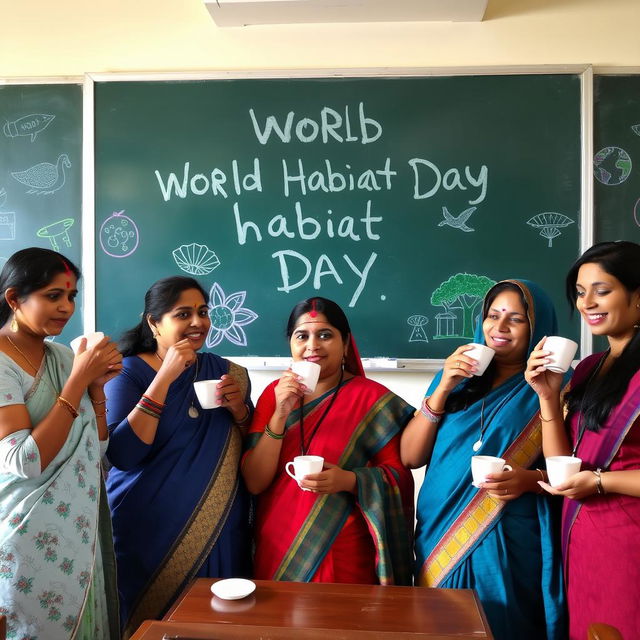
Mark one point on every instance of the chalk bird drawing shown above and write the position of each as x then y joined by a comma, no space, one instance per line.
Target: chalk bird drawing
196,259
44,178
57,231
30,125
457,222
549,224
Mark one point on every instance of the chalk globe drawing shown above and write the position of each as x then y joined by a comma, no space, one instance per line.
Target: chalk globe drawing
549,224
196,259
228,316
636,212
119,235
611,165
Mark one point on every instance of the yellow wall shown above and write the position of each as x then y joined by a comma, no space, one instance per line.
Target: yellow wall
69,37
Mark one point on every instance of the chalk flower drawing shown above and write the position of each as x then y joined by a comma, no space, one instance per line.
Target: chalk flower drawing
196,259
228,316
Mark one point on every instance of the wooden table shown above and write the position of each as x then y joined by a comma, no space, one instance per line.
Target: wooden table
288,610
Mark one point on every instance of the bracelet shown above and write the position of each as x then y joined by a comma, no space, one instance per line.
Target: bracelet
149,411
271,434
101,415
97,401
242,423
541,472
598,474
148,400
63,402
544,419
429,413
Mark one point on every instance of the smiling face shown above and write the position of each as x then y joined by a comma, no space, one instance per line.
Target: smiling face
188,318
605,304
506,327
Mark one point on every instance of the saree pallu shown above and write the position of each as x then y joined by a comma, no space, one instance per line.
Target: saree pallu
56,556
600,534
306,537
179,506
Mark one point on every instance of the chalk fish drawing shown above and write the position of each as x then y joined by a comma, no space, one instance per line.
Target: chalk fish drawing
45,177
57,231
457,222
196,259
228,316
418,334
549,224
30,125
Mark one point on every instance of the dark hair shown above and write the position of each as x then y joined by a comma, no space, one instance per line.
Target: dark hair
622,261
28,270
159,299
334,314
478,386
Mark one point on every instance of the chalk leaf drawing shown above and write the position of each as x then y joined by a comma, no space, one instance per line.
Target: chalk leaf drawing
463,291
418,333
44,178
30,125
459,221
228,316
636,129
196,259
119,236
549,224
57,231
611,165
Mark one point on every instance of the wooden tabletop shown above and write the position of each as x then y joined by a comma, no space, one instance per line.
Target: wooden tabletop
282,610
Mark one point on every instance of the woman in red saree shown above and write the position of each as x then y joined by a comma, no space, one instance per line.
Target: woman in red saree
601,514
353,522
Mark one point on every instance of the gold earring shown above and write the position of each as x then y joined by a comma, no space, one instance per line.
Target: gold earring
14,324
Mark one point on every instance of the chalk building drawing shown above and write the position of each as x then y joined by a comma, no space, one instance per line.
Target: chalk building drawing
228,316
44,178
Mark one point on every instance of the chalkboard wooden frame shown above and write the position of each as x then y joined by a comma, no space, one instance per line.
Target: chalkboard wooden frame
583,72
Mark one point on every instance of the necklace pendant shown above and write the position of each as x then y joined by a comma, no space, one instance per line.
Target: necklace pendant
193,412
477,444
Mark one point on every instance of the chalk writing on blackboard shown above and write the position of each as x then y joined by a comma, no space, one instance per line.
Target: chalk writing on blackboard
196,259
119,235
612,165
228,316
550,224
45,177
30,125
459,221
418,333
57,231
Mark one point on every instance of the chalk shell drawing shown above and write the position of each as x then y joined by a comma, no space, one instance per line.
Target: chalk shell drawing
228,316
45,177
549,224
119,235
30,125
418,334
459,221
612,165
57,231
196,259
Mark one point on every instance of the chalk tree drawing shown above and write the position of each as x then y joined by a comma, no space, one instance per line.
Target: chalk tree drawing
464,291
30,125
636,129
549,224
44,178
611,165
418,333
228,316
119,236
57,231
459,221
196,259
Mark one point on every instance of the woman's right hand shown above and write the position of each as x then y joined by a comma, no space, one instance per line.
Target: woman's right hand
545,383
179,356
289,392
100,361
457,367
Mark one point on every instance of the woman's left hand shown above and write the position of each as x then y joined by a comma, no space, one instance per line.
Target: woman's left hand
332,479
580,485
509,485
230,396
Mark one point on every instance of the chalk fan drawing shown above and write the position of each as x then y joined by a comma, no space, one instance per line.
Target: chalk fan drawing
44,178
57,231
459,221
418,333
463,291
196,259
549,224
30,125
228,316
611,165
119,236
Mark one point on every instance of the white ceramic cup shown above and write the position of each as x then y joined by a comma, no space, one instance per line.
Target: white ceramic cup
309,372
92,340
561,468
562,352
482,466
207,391
482,354
304,466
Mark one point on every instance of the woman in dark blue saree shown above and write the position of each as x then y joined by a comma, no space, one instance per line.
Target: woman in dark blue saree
178,503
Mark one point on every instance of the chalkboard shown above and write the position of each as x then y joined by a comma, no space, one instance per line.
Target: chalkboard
616,164
402,198
41,174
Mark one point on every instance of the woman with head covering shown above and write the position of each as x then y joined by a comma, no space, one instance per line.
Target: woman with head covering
56,555
351,521
498,538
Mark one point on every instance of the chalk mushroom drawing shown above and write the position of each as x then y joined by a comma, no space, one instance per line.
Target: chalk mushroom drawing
30,125
464,291
612,165
457,222
228,316
119,235
418,334
44,178
196,259
57,231
549,224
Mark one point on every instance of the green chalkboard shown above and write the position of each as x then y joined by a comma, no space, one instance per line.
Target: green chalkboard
402,198
617,157
41,174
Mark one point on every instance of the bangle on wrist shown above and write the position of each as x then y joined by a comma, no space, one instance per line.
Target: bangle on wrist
97,401
242,422
545,419
543,478
429,413
101,415
271,434
599,488
63,402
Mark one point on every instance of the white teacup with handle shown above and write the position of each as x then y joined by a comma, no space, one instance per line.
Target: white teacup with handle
482,466
304,466
561,468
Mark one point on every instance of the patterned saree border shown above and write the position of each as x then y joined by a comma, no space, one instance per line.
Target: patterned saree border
481,512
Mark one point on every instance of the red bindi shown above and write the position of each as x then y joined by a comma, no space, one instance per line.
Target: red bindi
313,313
